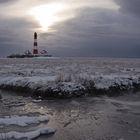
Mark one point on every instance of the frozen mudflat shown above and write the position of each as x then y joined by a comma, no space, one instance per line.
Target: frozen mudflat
85,118
88,118
69,76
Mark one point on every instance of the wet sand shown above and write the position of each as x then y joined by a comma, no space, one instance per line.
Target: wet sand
89,118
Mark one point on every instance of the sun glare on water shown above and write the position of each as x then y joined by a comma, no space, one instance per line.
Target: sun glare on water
48,15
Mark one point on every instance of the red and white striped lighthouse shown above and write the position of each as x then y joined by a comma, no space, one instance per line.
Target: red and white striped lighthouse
35,47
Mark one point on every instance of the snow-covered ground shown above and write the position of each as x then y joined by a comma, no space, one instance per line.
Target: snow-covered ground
23,121
26,135
68,76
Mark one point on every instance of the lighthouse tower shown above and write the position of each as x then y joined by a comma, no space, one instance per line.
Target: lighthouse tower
35,47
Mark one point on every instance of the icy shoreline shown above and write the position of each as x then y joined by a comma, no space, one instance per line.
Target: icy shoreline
70,89
70,77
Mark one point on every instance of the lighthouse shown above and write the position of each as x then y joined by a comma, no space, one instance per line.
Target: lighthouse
35,45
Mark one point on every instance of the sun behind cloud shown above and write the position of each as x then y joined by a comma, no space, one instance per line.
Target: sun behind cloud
49,14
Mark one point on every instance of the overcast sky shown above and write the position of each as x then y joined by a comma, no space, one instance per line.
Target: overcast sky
106,28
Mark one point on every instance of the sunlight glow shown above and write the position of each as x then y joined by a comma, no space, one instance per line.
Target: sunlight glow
48,15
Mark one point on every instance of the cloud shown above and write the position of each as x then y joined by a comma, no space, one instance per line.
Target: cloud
98,32
130,6
7,1
15,35
99,28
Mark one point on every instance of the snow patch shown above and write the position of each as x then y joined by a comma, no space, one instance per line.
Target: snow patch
26,135
36,101
22,120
